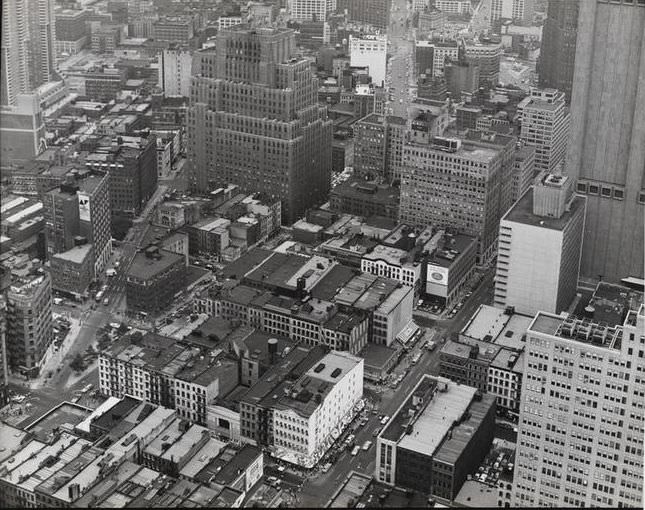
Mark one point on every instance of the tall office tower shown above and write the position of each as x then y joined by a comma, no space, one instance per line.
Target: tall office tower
372,12
309,10
454,183
29,322
4,367
545,126
94,215
580,438
486,52
540,240
22,129
370,51
61,218
378,147
255,121
558,50
175,71
606,150
517,10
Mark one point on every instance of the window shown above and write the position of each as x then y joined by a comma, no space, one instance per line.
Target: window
593,189
641,195
619,194
582,187
606,191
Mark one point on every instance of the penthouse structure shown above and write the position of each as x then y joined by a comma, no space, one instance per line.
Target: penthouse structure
164,372
582,413
254,111
454,183
29,322
545,126
438,435
540,244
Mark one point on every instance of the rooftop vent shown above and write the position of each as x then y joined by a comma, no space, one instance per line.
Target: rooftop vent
319,368
336,372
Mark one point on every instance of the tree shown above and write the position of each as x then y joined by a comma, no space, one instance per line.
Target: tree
77,364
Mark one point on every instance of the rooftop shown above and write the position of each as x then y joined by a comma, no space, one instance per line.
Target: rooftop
144,267
246,263
494,325
327,286
277,271
391,256
477,495
522,212
449,248
202,458
375,193
77,255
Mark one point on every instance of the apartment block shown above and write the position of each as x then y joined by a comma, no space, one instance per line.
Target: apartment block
580,439
165,372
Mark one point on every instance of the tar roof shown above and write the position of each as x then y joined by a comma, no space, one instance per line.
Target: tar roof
522,212
145,267
246,263
327,287
277,270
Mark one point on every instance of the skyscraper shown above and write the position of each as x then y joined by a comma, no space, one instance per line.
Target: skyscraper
580,439
558,50
28,46
254,121
606,150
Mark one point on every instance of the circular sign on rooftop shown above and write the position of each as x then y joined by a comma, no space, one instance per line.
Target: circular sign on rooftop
437,276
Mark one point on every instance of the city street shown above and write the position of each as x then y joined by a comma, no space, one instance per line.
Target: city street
401,74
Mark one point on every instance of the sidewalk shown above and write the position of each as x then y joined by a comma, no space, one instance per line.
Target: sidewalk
55,357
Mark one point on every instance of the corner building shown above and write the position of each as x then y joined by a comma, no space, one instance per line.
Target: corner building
254,121
580,439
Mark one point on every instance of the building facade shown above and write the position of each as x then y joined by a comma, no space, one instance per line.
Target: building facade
255,112
545,126
175,71
605,157
558,51
29,323
580,439
540,242
370,51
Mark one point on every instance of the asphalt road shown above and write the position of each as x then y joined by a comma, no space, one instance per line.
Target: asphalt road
401,73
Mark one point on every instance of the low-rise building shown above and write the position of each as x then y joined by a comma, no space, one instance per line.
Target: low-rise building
165,372
450,264
305,416
438,436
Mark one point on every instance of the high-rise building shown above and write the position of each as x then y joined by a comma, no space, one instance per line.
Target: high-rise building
606,150
175,72
540,239
517,10
455,183
72,31
311,10
461,77
545,126
580,438
29,322
523,170
28,46
370,51
254,121
558,50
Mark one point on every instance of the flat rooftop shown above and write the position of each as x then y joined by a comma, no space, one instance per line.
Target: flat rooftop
144,267
431,418
277,270
77,255
327,286
522,212
494,325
